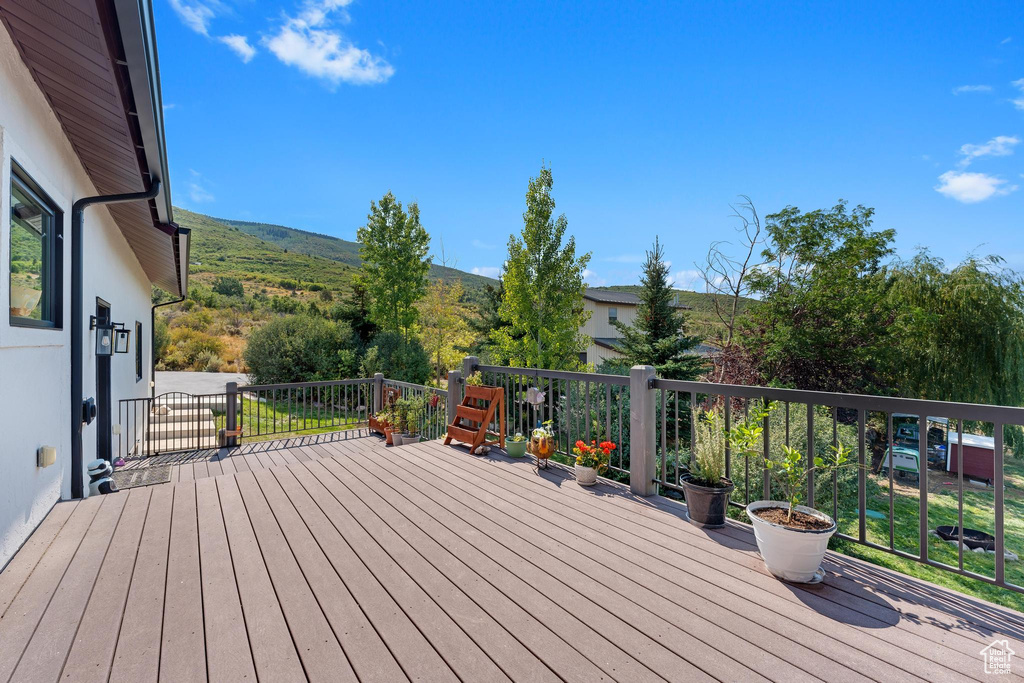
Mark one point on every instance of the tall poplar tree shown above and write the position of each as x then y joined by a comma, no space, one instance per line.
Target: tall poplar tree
658,335
543,298
394,248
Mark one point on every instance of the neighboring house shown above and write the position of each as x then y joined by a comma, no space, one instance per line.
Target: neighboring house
607,306
80,116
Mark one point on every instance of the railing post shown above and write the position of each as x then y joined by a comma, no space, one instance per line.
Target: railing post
469,365
378,392
642,431
231,423
454,394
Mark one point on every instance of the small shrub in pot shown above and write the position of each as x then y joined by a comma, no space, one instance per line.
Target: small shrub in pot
705,486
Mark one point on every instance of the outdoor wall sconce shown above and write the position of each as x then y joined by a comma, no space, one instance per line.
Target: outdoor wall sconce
121,337
110,337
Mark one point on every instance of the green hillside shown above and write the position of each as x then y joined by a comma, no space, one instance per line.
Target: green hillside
343,251
705,322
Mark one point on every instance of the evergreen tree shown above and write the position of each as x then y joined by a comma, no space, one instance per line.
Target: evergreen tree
394,248
658,336
543,301
355,310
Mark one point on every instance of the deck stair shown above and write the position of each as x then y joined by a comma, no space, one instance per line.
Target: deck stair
472,420
178,429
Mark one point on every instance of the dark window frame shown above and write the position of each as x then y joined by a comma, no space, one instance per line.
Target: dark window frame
138,351
613,313
54,275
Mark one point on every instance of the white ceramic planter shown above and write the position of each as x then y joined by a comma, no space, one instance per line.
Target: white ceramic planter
586,476
791,554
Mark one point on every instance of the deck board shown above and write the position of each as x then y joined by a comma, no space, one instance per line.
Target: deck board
334,557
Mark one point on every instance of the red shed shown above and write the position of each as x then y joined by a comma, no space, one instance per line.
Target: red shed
979,456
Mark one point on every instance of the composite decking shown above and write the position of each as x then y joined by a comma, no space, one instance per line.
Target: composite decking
341,559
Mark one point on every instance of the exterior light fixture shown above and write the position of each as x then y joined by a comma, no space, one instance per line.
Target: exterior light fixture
111,337
121,337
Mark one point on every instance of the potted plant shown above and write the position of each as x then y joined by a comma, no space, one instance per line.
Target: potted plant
591,460
400,411
516,445
792,538
542,444
385,419
705,486
415,407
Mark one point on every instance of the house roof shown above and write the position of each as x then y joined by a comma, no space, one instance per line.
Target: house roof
610,296
96,64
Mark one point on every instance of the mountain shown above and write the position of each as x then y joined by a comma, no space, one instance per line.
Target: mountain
342,251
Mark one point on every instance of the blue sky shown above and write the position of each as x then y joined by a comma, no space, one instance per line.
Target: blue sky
654,117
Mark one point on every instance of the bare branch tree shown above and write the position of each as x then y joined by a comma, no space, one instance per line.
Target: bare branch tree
727,267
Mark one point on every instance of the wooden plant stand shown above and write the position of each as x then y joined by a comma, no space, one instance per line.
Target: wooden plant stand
469,425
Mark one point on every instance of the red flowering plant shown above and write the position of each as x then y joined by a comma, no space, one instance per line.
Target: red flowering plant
594,454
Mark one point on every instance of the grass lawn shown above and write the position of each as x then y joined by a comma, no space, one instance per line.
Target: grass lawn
267,420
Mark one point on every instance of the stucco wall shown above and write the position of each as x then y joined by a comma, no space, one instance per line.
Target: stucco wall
35,364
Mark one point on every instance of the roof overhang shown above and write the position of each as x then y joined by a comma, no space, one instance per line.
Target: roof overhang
96,63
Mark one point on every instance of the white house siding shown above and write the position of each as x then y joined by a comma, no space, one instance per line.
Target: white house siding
35,364
598,326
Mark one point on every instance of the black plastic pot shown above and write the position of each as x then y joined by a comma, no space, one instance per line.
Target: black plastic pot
706,505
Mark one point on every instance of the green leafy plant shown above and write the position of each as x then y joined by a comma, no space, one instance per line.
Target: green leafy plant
594,455
787,466
475,379
518,437
708,465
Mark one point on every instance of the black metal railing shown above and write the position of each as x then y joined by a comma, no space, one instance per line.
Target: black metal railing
911,478
168,423
579,406
432,416
266,410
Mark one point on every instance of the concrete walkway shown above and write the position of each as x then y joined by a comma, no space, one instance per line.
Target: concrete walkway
197,382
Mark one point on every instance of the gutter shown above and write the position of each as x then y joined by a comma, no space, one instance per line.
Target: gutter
78,416
183,235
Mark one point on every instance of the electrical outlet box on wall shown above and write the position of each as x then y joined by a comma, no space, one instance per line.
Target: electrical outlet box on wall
46,456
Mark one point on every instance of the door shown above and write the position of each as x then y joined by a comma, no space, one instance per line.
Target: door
103,416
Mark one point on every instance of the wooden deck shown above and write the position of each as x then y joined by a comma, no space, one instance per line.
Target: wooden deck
346,560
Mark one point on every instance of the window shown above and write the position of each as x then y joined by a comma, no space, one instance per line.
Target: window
36,255
138,351
613,314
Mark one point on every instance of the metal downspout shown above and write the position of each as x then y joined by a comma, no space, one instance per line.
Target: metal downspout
77,412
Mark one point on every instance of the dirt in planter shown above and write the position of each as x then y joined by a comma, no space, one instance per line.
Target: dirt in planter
800,520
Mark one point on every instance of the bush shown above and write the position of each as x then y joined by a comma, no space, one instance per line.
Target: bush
187,345
228,286
300,349
207,361
289,284
198,319
397,358
284,304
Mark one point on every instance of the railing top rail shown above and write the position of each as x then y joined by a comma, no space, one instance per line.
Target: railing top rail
410,385
867,402
620,380
303,385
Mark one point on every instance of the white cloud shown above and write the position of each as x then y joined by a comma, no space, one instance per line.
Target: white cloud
969,187
961,89
1019,102
197,192
477,244
1004,41
487,271
308,42
690,279
240,45
999,146
196,14
592,278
